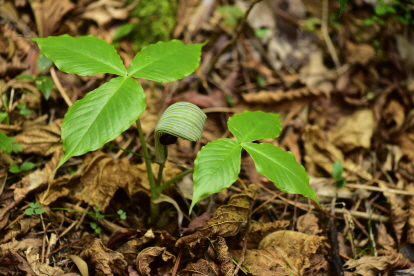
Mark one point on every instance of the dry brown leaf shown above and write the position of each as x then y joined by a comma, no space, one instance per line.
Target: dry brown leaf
219,261
49,13
308,224
384,239
354,131
406,143
19,228
284,253
104,261
103,11
315,74
146,261
24,244
410,221
131,248
100,177
226,221
394,116
359,53
258,231
201,267
40,268
272,97
374,265
11,263
41,139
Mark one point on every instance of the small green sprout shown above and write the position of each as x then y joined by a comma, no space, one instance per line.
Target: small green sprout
34,208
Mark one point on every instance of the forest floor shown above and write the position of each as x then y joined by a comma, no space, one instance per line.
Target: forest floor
344,89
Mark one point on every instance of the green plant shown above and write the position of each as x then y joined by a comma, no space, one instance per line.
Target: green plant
217,165
34,208
24,167
8,144
96,214
231,14
106,112
392,10
337,170
43,83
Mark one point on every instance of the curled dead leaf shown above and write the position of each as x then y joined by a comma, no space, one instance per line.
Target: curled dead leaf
155,257
286,252
226,220
104,261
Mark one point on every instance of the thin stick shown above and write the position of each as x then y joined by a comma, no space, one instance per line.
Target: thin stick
378,189
325,34
59,87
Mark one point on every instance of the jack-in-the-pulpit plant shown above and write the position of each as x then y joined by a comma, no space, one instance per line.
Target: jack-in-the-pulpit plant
104,113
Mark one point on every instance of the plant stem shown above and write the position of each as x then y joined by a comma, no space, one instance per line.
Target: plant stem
174,179
161,169
155,194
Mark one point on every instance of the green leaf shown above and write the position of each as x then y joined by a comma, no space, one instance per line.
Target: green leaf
39,211
281,168
25,77
343,4
43,63
166,61
44,84
216,168
14,168
29,211
381,10
85,56
25,112
123,31
26,166
34,205
101,116
3,115
337,170
17,148
5,143
249,126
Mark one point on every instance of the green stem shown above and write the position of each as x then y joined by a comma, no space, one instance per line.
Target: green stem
174,179
161,169
153,187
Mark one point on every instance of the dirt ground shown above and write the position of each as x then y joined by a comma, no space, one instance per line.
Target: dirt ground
344,89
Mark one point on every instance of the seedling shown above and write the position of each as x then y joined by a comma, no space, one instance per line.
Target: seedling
8,144
34,208
43,83
337,170
104,113
24,167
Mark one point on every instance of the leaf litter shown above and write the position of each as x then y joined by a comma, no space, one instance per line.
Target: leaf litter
344,91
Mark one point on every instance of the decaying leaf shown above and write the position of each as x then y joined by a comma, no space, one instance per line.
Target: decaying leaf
226,221
33,256
272,97
354,131
373,265
308,224
104,261
156,257
131,248
11,263
49,13
286,252
40,138
22,227
100,177
218,261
